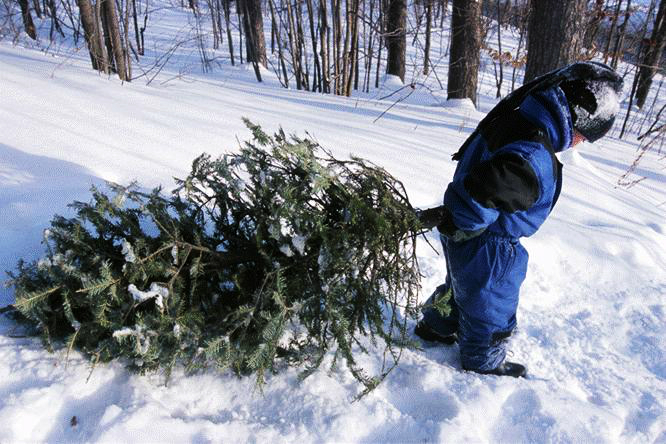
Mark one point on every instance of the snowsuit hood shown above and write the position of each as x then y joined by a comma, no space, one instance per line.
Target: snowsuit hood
549,110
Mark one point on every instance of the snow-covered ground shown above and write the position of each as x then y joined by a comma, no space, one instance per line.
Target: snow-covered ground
592,319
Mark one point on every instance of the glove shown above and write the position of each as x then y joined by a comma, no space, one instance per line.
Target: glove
431,217
442,218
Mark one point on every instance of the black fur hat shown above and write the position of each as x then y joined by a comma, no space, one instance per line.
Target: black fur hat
593,102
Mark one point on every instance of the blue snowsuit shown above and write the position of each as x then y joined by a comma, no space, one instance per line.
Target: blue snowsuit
505,185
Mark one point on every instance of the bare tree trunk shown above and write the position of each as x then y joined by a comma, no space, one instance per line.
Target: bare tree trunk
619,40
137,36
357,45
596,16
616,15
110,15
55,23
465,50
216,31
126,42
653,53
279,43
353,49
396,37
523,18
631,101
325,42
369,54
28,24
240,29
105,54
293,45
499,80
227,19
554,35
106,34
345,51
382,24
316,78
38,8
337,40
426,50
253,24
302,49
274,29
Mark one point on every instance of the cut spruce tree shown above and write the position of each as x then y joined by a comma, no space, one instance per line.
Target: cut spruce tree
278,254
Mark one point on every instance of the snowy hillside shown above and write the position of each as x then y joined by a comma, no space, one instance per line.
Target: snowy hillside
592,319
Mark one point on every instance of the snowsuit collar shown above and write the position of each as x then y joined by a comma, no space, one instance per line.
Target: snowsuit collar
550,111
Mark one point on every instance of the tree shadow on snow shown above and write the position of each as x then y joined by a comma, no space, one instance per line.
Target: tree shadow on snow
32,189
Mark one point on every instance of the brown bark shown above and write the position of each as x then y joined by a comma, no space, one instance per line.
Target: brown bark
279,43
465,49
91,35
396,37
382,25
653,53
619,39
316,79
614,19
38,8
227,18
428,32
112,29
337,40
595,18
253,24
353,50
293,46
28,24
325,43
554,35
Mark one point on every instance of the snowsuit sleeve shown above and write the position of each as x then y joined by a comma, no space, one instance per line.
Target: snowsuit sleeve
506,182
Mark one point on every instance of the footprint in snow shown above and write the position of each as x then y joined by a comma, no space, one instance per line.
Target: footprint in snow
521,419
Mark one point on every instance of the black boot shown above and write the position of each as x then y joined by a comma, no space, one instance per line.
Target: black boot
505,369
423,331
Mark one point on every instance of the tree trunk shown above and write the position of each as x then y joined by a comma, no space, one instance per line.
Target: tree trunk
616,15
554,35
28,24
382,24
369,54
325,42
227,19
353,50
396,37
137,35
106,55
499,79
596,16
619,39
302,49
55,22
345,51
239,12
465,49
428,32
279,43
316,79
253,24
38,8
112,27
653,52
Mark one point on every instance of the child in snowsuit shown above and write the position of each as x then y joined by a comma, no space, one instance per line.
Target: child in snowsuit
504,187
